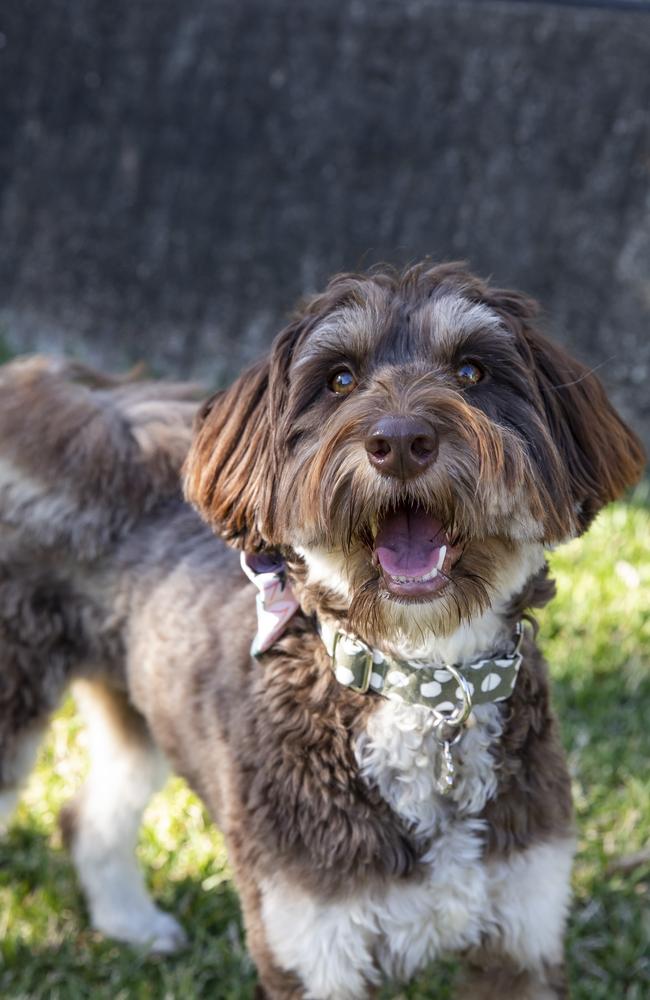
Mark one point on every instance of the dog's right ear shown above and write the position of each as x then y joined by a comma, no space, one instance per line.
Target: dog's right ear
232,469
227,474
230,472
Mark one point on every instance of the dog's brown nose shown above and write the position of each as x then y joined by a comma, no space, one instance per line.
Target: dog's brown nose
402,446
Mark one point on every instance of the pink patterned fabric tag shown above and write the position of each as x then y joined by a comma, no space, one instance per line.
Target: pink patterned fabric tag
276,604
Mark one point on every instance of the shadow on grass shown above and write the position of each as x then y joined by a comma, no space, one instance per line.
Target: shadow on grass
88,968
49,952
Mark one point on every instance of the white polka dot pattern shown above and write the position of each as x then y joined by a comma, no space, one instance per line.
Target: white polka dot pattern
431,690
415,683
344,676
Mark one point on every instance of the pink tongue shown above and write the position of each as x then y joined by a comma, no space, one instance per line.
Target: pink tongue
408,542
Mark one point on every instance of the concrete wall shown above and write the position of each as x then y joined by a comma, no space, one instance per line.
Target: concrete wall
173,175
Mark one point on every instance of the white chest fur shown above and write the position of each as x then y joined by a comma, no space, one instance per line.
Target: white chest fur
399,753
338,947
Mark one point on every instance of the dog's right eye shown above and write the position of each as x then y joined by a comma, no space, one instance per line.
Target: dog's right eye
342,382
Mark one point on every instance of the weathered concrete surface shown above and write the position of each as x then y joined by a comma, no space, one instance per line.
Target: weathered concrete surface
173,175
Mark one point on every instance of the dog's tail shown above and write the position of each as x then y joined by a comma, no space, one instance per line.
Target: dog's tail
83,456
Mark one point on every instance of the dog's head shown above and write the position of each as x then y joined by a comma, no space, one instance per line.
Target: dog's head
417,441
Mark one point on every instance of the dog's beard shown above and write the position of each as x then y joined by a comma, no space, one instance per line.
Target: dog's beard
418,557
486,575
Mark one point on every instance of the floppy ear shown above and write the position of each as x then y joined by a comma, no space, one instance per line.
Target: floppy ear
600,453
230,471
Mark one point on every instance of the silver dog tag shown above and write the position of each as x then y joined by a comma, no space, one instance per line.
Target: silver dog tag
448,734
446,770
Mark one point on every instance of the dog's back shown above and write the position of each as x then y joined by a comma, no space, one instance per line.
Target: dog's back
85,460
71,440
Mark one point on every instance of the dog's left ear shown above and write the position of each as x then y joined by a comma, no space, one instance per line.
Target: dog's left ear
230,471
601,454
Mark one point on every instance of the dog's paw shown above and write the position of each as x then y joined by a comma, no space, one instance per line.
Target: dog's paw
169,935
152,929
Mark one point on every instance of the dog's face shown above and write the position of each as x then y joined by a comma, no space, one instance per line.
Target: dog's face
417,442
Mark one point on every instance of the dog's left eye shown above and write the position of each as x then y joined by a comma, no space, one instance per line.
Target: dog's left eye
468,373
342,382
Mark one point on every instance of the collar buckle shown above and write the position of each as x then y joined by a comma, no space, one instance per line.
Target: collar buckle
353,661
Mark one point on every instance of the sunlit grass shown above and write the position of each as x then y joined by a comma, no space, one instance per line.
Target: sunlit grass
596,635
597,638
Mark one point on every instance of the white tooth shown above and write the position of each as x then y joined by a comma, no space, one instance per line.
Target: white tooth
441,557
417,579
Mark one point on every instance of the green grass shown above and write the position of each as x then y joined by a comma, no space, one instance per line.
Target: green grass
597,637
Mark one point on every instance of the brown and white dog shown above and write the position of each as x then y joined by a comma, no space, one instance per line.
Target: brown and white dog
401,461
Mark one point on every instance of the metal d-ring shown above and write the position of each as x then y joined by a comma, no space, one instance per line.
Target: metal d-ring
459,714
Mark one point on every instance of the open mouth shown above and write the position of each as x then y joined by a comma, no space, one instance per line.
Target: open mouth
413,552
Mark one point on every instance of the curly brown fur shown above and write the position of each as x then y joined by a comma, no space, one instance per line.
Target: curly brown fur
304,799
523,459
348,861
533,799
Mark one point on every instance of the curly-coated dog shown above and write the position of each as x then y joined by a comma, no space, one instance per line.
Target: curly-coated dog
385,767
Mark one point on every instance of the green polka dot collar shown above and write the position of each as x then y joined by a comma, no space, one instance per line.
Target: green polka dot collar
449,690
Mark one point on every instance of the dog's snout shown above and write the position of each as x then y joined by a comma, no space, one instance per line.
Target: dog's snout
402,446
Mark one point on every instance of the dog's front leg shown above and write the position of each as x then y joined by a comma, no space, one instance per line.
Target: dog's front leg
304,948
274,983
522,953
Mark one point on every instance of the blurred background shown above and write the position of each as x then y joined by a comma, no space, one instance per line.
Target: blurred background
175,174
